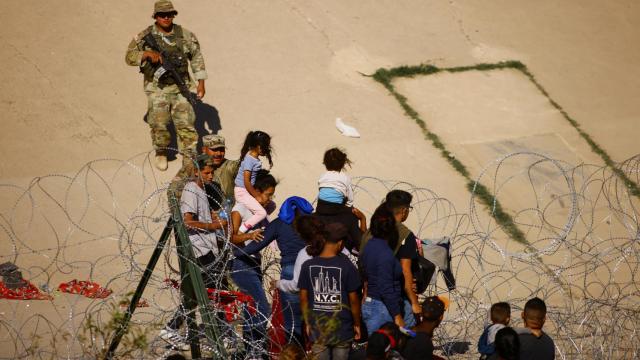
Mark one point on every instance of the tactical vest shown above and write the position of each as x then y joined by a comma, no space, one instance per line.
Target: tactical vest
175,54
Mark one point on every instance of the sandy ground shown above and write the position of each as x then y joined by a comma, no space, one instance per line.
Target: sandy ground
291,67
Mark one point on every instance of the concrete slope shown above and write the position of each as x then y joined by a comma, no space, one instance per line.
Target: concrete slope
291,67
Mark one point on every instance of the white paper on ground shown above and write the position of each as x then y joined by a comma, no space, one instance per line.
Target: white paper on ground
346,130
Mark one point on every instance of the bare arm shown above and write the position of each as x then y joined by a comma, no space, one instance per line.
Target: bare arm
408,285
191,223
361,218
354,302
200,90
238,238
364,291
304,306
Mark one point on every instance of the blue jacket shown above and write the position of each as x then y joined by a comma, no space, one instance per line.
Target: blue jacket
289,242
383,274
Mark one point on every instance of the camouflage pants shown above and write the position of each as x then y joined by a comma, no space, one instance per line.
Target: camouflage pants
164,107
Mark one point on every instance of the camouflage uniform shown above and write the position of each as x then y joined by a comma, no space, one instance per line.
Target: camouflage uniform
223,175
165,103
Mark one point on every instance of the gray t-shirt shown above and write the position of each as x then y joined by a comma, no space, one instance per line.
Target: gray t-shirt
249,163
194,200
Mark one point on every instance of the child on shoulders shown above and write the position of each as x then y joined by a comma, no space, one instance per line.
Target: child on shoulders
256,144
335,184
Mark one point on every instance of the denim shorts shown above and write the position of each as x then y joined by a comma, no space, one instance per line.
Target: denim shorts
375,314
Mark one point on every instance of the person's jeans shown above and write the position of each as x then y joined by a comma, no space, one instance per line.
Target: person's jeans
338,351
249,280
213,276
375,314
291,311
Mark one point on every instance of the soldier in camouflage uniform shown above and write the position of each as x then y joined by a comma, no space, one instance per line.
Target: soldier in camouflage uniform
224,171
165,103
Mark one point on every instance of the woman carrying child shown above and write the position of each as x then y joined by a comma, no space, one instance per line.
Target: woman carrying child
247,268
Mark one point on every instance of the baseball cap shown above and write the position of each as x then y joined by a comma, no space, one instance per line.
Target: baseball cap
213,141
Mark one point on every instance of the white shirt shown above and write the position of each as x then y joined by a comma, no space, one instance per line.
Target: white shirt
493,330
340,181
194,200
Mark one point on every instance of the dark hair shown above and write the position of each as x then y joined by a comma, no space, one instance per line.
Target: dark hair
398,198
432,309
215,196
336,232
264,180
312,231
202,163
507,344
254,139
500,312
383,226
335,159
537,305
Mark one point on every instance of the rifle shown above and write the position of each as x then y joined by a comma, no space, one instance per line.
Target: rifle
169,67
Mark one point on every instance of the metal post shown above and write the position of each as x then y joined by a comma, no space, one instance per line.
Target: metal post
140,289
193,285
194,293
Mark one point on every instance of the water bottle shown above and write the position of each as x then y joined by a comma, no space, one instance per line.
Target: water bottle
225,210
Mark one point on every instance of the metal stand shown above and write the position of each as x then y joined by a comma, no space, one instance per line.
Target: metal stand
194,293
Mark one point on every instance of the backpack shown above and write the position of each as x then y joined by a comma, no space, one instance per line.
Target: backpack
423,274
483,347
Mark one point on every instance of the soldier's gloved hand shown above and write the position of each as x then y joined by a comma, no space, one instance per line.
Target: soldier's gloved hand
200,91
152,56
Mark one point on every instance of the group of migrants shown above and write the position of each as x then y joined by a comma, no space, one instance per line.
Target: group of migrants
348,289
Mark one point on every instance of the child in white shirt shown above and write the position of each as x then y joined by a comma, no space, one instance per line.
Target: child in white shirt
335,184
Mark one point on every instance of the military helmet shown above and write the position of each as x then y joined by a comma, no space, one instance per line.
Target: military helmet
163,6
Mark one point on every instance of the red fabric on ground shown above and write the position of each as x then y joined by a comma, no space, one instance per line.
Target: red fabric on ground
27,292
231,302
85,288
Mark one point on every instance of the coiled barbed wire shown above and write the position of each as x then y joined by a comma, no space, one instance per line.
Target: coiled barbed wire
101,224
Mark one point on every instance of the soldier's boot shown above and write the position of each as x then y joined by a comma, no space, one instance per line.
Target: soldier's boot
161,161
